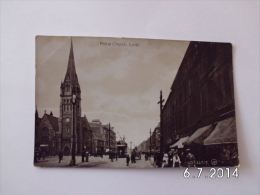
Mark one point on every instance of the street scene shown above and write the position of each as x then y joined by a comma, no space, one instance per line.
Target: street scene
95,162
134,103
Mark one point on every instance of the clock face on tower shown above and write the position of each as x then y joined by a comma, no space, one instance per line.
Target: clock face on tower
67,120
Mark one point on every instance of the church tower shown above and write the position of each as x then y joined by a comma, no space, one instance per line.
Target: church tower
70,112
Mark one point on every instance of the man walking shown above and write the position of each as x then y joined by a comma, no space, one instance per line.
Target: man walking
127,160
60,156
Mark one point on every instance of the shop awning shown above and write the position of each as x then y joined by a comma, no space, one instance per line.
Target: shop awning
199,136
224,133
178,144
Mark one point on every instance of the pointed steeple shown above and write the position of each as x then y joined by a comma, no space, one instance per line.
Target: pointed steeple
71,75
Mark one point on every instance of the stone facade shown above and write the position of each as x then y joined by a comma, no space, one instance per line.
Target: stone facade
46,133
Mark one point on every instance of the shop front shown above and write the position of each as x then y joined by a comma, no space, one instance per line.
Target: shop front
222,144
196,146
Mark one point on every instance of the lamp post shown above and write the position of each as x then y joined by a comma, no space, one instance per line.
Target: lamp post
109,149
73,101
150,141
161,124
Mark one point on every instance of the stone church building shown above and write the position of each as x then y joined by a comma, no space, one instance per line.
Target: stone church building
54,134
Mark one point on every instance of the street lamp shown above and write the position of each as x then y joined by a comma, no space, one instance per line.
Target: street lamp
150,141
73,101
161,125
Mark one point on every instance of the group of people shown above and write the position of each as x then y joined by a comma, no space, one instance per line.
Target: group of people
128,157
186,159
113,156
172,159
84,155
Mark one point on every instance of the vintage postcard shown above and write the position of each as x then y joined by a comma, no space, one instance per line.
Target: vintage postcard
134,103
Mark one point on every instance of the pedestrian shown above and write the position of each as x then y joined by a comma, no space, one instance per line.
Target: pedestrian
176,160
165,160
127,160
116,156
190,159
170,159
43,155
132,158
82,156
60,156
87,156
182,158
112,157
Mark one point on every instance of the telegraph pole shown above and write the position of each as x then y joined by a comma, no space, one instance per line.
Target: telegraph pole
161,124
150,141
109,137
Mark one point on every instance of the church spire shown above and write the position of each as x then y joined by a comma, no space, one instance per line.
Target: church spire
71,75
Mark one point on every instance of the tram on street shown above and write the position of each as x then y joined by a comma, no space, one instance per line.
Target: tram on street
121,148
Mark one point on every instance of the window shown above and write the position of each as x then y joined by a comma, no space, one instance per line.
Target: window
45,135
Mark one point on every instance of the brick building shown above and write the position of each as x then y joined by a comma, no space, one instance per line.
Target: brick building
46,133
202,91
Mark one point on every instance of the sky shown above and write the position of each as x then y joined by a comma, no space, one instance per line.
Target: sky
120,79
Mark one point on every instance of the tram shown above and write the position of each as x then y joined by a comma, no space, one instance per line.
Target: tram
121,148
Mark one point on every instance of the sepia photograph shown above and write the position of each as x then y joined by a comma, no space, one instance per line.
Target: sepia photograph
134,103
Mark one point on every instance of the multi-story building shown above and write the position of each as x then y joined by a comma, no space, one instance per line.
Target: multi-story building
99,136
110,138
201,93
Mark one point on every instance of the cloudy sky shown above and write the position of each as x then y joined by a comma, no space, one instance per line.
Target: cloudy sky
120,79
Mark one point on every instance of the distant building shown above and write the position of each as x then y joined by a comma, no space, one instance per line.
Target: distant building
99,136
156,139
142,146
110,138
